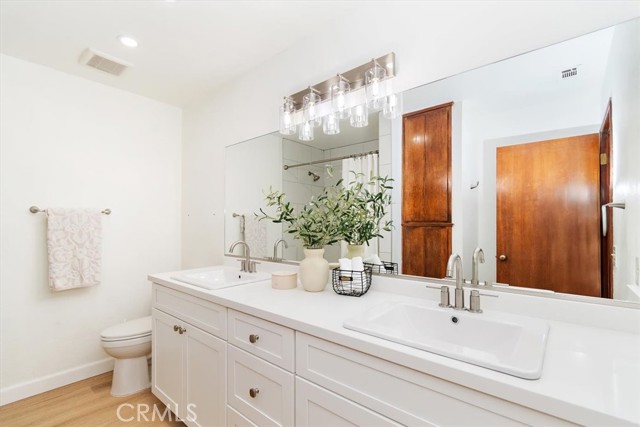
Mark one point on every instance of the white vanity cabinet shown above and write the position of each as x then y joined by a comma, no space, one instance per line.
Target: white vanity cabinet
260,379
189,364
404,395
244,371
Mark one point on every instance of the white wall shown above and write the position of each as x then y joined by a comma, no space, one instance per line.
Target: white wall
251,168
622,85
432,40
69,142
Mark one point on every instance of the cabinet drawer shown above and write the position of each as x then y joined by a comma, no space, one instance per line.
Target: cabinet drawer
404,395
272,405
236,419
206,315
318,407
274,343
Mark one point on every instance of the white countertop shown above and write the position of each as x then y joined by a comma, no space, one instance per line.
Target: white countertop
591,375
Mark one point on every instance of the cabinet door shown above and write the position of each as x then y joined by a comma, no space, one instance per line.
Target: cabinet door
167,361
318,407
425,250
204,371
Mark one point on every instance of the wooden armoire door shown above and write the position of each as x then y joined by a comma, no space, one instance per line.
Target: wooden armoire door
426,191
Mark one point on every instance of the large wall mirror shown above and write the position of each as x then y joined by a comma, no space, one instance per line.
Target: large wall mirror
536,145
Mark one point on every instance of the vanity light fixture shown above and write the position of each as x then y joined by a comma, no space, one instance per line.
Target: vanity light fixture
310,103
351,94
359,116
392,108
339,92
287,123
373,85
128,41
331,124
306,131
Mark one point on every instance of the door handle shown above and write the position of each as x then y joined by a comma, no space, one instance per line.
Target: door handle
502,257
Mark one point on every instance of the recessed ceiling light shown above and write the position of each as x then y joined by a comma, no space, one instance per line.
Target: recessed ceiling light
128,41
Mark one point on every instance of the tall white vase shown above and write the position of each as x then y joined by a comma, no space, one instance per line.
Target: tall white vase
314,270
354,251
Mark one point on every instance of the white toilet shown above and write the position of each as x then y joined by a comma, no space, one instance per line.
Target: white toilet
130,344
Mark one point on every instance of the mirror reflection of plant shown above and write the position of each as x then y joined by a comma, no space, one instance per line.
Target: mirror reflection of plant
362,206
316,224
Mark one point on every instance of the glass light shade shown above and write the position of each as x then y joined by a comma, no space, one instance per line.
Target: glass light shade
392,108
310,104
306,132
359,116
339,93
331,124
373,78
287,125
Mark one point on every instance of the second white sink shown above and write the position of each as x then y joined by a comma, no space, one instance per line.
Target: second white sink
220,277
506,343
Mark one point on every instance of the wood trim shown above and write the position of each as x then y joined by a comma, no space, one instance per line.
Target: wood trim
606,196
427,224
424,110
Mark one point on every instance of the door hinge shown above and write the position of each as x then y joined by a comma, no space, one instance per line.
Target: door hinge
604,159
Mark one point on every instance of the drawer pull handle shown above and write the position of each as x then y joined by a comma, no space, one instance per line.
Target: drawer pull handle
253,392
176,328
253,338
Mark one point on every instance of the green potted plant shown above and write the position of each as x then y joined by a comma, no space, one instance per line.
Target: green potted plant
362,206
316,225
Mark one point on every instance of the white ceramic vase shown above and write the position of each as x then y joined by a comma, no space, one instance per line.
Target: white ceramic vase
314,270
354,251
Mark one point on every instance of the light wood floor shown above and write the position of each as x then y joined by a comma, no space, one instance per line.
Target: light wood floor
84,404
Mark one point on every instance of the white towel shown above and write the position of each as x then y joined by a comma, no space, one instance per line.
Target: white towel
356,264
74,245
373,259
345,264
256,236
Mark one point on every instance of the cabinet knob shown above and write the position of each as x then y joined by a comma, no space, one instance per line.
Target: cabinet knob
502,257
253,392
176,328
182,331
253,338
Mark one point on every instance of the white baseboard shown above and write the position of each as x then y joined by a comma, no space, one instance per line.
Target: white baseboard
49,382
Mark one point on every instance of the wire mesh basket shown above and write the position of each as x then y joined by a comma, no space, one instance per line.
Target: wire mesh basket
351,283
385,268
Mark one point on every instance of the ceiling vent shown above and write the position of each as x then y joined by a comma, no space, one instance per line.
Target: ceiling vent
570,72
103,62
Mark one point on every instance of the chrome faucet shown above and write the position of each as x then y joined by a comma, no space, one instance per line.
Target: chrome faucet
478,257
275,249
246,265
454,265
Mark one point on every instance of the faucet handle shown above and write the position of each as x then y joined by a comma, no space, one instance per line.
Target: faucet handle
243,265
252,267
474,302
444,297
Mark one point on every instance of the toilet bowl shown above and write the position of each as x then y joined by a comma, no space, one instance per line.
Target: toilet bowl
130,344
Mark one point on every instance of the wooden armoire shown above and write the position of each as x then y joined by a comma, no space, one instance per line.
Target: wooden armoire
426,191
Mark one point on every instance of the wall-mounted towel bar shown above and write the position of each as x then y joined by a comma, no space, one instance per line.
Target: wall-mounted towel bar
35,209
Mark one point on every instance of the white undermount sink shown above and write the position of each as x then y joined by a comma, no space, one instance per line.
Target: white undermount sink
220,277
506,343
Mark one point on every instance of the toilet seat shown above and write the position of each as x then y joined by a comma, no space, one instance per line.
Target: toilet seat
138,329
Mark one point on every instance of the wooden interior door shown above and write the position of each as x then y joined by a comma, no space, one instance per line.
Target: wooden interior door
548,215
426,191
606,196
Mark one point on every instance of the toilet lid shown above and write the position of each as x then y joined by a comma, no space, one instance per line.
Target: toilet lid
131,329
